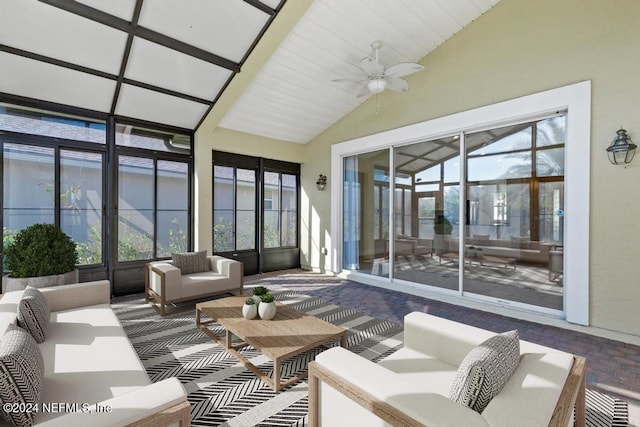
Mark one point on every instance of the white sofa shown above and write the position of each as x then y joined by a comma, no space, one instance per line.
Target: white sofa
88,359
411,387
165,284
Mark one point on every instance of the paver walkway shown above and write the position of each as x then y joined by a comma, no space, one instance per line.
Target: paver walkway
613,367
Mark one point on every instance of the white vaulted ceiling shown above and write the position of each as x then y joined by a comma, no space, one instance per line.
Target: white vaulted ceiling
170,61
293,98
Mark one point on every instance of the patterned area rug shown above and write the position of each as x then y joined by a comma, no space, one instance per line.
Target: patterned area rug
224,393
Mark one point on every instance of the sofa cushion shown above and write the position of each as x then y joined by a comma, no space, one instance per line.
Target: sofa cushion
486,370
88,346
21,372
33,313
191,262
9,310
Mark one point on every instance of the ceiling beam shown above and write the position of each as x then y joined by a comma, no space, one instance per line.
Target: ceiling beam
125,56
263,7
104,18
58,62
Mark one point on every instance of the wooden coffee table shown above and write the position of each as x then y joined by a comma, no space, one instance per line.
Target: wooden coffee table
290,333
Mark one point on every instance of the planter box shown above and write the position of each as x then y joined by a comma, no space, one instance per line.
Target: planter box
18,284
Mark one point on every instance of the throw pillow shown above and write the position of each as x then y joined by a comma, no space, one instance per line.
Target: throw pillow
21,376
33,313
191,262
485,371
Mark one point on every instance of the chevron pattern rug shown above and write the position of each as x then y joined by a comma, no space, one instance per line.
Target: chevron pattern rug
224,393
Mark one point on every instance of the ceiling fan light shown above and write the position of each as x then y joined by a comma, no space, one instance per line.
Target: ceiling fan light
377,85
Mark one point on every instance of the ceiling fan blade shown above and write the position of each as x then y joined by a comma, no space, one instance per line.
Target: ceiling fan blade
397,84
351,79
364,91
372,67
403,69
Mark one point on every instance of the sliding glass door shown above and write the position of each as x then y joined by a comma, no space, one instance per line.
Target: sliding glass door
498,235
428,174
366,204
514,235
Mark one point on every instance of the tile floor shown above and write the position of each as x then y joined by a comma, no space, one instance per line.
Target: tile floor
613,367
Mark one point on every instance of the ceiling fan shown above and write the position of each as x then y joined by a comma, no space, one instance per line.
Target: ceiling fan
377,77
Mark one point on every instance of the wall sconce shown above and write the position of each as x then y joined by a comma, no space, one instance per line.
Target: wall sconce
622,149
321,183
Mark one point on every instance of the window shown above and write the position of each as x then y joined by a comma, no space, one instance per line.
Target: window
81,202
234,213
57,168
280,210
53,172
153,204
255,211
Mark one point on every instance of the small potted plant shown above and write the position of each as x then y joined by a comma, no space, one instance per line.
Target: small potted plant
250,309
258,291
267,307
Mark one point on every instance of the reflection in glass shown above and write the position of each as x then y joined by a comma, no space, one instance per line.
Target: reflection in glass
511,222
289,210
366,213
551,131
426,215
514,222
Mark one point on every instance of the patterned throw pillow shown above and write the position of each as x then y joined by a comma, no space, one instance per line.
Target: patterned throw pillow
485,371
191,262
21,373
33,313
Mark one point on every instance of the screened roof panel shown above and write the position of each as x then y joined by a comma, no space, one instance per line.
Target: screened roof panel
173,70
159,107
120,8
62,35
223,27
163,61
49,82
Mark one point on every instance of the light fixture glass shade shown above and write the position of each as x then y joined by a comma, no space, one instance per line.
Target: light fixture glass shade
622,149
321,183
377,85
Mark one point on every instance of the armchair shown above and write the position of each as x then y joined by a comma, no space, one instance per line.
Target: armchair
412,386
166,284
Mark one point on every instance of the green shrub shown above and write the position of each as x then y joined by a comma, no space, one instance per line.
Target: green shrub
41,250
250,301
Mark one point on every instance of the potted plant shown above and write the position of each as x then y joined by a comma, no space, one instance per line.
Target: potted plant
41,255
267,307
258,291
250,309
442,228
